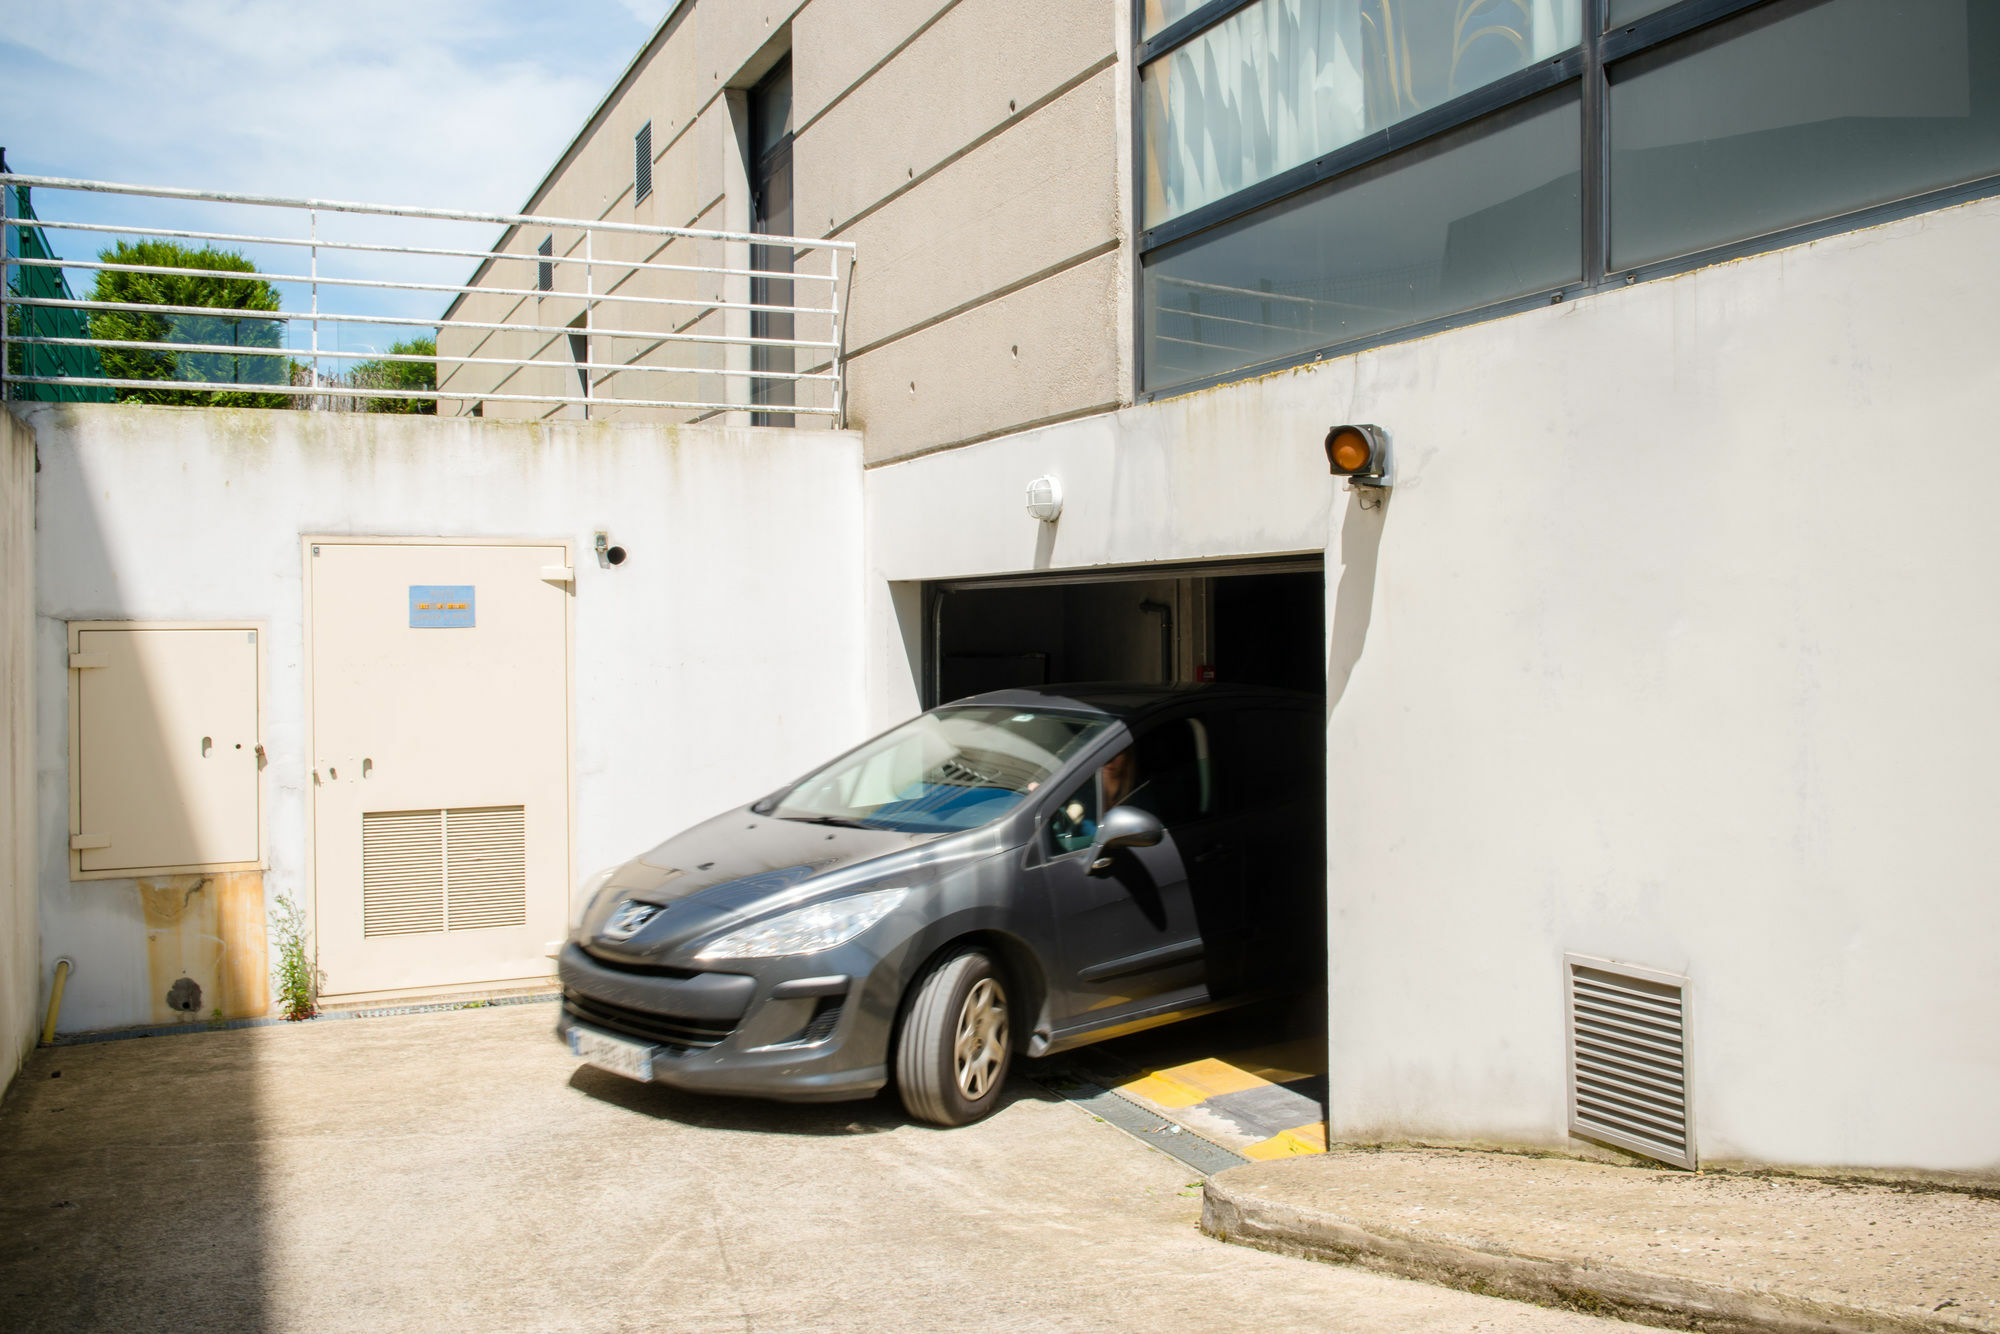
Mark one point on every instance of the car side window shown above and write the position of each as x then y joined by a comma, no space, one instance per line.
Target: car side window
1072,825
1174,777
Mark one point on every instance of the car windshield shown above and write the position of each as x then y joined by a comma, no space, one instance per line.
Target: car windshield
947,770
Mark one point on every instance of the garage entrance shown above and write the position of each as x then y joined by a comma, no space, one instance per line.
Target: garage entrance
1249,1081
1244,622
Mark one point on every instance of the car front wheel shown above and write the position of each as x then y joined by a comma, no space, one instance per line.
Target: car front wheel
953,1052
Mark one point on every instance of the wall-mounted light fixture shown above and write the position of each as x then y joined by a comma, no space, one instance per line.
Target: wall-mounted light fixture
607,555
1361,454
1045,499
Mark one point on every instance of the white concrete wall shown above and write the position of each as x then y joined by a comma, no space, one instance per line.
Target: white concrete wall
1237,472
720,660
1676,644
20,926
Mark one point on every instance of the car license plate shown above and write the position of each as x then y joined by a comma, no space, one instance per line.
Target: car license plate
634,1060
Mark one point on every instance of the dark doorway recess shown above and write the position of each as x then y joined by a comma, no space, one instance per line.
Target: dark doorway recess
1246,622
771,214
1270,630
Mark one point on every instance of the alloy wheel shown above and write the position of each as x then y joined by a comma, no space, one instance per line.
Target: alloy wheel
981,1048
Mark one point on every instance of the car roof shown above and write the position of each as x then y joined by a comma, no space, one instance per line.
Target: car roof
1130,699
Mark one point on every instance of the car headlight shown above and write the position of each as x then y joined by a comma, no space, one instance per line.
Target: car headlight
579,903
820,926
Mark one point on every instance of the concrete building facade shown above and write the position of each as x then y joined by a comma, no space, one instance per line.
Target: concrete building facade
1656,678
20,917
1651,657
682,690
995,283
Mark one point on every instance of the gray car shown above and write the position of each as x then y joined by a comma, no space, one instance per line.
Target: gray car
1023,871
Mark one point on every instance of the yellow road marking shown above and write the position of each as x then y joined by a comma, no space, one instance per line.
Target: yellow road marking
1308,1138
1197,1081
1284,1062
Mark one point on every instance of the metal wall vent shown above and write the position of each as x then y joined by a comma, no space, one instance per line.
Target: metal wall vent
443,870
642,162
1628,1058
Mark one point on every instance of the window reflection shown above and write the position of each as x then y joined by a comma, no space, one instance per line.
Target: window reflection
1786,116
1284,81
1477,216
1624,11
1157,15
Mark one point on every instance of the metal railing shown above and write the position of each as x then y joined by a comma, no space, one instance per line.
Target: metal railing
603,316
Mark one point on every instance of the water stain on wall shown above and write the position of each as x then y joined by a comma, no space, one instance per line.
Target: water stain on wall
205,946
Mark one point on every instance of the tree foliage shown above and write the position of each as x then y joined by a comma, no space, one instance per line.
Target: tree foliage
401,375
188,289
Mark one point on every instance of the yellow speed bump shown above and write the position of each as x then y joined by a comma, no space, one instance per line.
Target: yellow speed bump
1284,1062
1308,1138
1197,1081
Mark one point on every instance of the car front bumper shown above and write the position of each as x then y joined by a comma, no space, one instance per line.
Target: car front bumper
809,1030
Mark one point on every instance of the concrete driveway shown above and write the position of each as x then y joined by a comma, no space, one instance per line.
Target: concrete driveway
460,1171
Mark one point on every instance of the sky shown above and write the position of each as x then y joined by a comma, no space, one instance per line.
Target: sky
450,103
441,103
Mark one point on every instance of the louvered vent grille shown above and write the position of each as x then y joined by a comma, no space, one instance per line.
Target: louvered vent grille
486,868
443,870
1628,1060
402,872
642,162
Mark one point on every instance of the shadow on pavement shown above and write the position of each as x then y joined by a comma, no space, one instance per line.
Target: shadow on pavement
869,1116
132,1188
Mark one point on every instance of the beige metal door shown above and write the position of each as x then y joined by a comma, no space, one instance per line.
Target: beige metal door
164,737
440,744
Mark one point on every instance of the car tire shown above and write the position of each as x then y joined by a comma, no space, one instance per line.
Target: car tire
955,1046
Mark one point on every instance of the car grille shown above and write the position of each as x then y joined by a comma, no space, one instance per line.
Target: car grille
666,1029
643,969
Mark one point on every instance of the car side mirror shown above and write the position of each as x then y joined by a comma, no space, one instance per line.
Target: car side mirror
1129,827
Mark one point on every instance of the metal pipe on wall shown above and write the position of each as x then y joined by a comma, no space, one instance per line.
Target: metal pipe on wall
64,967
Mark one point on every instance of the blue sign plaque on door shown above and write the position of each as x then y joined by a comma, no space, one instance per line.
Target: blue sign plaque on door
440,606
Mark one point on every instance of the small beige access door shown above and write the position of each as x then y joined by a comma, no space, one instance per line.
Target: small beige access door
440,750
164,749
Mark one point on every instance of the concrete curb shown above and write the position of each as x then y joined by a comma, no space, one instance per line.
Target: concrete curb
1250,1219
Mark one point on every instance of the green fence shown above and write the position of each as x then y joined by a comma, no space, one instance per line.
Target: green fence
40,359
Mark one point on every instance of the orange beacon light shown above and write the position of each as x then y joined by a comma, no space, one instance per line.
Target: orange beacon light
1360,453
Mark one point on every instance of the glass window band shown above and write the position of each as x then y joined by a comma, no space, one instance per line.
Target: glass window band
1280,82
1791,114
1479,215
1651,210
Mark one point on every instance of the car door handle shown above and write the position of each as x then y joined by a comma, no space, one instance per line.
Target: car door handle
1213,853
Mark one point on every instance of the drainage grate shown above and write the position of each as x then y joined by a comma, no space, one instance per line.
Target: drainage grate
1628,1058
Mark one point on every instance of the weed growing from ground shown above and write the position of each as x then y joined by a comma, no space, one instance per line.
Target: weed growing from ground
298,980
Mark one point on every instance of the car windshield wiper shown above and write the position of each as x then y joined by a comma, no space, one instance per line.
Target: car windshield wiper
839,821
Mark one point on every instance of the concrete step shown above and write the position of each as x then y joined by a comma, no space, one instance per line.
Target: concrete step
1684,1250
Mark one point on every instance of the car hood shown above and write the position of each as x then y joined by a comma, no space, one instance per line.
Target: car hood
741,864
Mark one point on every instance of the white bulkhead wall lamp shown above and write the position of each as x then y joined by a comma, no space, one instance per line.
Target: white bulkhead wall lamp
1361,454
1045,499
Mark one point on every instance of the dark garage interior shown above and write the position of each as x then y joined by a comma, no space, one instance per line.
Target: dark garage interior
1259,623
